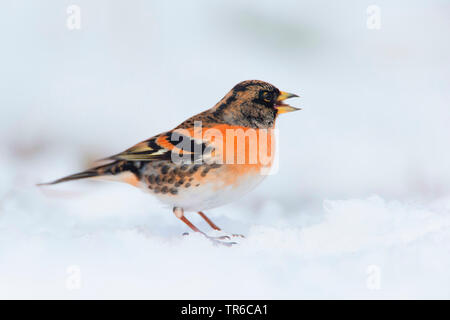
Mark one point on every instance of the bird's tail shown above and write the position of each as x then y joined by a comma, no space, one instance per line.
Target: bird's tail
106,171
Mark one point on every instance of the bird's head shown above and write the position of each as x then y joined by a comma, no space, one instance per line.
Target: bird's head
253,103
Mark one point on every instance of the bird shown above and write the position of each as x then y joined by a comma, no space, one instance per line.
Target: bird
207,161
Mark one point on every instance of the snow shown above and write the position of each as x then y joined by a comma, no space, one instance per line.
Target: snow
125,247
360,205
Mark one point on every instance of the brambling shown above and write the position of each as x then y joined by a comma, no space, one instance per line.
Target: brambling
210,159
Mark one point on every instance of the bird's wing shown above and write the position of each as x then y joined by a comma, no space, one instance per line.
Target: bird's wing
165,146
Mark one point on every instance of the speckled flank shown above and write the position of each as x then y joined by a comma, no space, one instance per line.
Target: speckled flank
167,178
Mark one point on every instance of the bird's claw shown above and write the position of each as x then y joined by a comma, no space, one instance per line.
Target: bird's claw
219,237
238,235
217,240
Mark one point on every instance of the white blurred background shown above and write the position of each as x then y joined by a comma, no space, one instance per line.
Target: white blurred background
372,141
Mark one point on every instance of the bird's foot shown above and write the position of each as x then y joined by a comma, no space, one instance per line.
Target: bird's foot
226,235
221,241
217,240
222,235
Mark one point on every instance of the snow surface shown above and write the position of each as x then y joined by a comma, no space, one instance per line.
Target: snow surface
360,205
126,247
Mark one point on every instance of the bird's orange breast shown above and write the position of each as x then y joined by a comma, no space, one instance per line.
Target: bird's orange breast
237,145
242,151
228,154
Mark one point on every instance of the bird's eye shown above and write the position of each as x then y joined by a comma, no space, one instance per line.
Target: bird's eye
267,96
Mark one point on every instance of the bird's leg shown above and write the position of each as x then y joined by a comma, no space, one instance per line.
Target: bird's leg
179,213
214,226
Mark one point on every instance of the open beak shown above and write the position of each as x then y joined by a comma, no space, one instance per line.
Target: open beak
282,107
